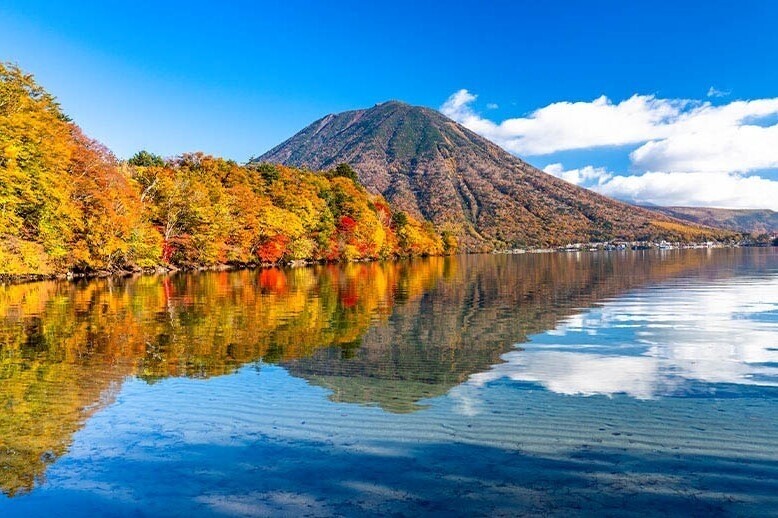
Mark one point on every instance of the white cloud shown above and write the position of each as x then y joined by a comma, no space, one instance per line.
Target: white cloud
571,125
723,190
715,92
676,134
674,141
456,106
716,138
716,147
492,106
584,175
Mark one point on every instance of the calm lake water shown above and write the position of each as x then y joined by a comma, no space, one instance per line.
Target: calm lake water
621,383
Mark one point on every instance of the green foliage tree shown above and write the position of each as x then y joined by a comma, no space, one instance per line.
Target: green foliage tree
344,171
145,159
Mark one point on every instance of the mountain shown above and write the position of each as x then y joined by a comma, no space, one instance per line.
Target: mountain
754,221
432,167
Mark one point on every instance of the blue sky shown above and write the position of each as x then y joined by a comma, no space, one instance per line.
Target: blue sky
238,78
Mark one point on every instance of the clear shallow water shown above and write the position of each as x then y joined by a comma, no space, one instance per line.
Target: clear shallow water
622,384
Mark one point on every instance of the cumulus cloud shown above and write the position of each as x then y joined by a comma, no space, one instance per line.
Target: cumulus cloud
672,141
584,175
570,125
716,138
721,190
457,105
676,134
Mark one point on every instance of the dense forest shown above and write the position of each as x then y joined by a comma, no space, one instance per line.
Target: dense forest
68,205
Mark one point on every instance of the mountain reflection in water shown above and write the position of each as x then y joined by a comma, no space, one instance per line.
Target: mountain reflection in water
386,334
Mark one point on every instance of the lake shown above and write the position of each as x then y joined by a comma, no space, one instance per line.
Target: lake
604,383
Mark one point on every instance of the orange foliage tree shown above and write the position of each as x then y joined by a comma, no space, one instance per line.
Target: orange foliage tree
67,204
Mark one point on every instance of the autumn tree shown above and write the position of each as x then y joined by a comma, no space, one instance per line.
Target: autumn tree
67,204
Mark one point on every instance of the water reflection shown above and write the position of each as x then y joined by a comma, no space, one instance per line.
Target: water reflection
389,335
487,310
674,339
66,347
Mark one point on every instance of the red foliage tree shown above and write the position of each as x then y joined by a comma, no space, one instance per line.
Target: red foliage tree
347,224
272,249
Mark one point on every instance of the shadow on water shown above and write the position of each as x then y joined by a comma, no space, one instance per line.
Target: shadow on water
312,479
385,334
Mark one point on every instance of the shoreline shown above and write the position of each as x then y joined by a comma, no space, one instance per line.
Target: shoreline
21,278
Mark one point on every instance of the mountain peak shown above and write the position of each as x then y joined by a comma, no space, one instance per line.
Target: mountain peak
403,107
432,167
393,103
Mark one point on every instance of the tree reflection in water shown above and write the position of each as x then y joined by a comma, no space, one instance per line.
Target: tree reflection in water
388,334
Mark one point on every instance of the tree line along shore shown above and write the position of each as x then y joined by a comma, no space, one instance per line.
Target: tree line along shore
69,207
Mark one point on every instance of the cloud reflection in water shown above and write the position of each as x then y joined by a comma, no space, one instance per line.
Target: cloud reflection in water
659,342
